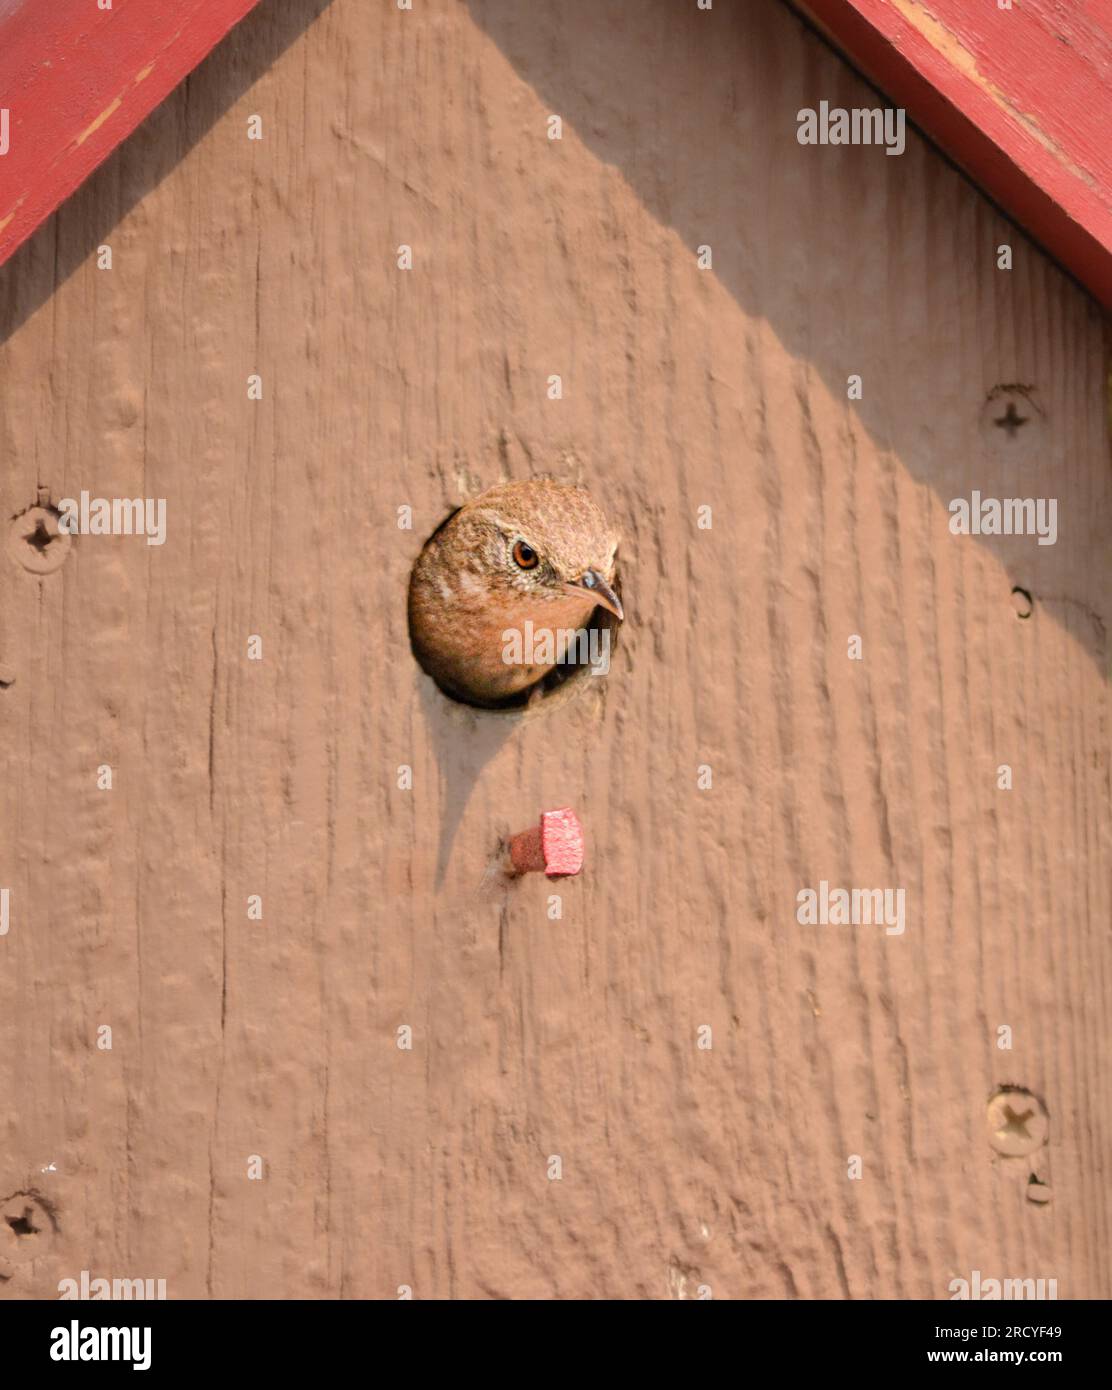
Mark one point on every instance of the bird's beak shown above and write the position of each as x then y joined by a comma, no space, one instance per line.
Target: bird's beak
599,590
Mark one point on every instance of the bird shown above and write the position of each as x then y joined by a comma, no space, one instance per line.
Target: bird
537,552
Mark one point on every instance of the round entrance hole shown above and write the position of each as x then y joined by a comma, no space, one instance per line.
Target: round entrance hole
584,656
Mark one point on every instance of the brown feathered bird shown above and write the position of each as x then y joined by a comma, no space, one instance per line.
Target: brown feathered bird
537,552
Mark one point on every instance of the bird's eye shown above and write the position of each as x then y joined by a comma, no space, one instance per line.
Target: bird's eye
525,557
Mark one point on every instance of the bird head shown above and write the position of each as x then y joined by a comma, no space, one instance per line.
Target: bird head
543,540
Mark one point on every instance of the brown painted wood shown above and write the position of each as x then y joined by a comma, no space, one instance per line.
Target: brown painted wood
682,387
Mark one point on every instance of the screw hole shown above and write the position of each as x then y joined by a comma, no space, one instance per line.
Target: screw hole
23,1225
1022,602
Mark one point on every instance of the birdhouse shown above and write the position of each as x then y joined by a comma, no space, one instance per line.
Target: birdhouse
554,648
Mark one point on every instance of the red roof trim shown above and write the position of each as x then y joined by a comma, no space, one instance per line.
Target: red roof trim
1020,98
75,80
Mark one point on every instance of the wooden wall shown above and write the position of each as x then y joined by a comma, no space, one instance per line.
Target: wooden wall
683,387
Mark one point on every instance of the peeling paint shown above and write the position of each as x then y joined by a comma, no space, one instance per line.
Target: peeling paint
100,120
948,46
15,208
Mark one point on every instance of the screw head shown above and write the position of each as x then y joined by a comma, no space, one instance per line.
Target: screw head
26,1230
36,543
1017,1122
1012,420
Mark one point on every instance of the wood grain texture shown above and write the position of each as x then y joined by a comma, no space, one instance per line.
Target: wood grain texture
682,387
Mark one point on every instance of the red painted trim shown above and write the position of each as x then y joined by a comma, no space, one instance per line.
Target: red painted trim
1020,98
76,80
